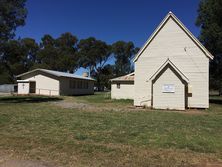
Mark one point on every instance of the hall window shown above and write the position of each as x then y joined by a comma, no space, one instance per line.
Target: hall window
118,86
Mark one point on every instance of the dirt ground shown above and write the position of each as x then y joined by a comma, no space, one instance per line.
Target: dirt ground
10,160
90,107
5,94
23,163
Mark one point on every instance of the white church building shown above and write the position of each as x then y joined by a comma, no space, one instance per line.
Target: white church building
171,70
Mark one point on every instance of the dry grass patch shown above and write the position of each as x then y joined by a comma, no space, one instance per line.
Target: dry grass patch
107,134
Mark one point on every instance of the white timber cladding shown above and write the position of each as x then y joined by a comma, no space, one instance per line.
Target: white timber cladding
173,43
45,85
48,82
168,91
23,88
122,90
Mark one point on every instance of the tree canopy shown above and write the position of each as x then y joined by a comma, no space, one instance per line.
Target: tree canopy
123,53
94,53
12,15
58,54
210,21
65,53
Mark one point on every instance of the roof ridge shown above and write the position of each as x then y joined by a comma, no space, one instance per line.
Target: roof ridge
56,73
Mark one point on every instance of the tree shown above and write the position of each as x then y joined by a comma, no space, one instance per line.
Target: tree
103,76
31,49
47,56
210,21
13,59
66,45
94,55
123,53
58,54
12,14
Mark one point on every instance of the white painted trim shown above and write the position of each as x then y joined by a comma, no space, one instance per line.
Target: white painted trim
173,66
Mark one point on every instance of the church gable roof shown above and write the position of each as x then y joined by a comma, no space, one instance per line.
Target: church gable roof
181,25
169,64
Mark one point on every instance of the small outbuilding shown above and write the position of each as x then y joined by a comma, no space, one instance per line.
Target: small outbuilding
171,70
123,87
54,83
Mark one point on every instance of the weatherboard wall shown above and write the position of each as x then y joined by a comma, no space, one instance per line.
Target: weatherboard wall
173,99
65,88
171,42
45,84
125,91
49,84
23,88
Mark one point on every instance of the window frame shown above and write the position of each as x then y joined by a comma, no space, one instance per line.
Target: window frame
118,85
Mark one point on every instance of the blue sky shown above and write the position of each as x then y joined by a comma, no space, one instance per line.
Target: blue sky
107,20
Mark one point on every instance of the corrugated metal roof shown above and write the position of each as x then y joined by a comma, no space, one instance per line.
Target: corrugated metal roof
58,74
128,77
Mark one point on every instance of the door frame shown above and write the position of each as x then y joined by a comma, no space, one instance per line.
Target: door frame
185,83
32,90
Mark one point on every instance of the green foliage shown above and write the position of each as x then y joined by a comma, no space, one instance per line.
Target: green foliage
19,56
12,15
94,55
103,75
4,75
123,53
210,21
31,49
47,55
65,53
58,54
13,59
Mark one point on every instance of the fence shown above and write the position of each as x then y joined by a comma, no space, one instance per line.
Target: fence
47,92
8,88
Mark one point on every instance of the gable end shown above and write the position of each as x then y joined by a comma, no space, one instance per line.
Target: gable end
170,15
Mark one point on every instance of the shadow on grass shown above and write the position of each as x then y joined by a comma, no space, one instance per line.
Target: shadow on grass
216,99
28,99
80,95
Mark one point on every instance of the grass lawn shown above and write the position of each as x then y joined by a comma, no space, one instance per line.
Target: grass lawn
97,131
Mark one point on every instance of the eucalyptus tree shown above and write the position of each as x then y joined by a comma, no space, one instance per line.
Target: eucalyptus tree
123,54
210,22
12,15
94,55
